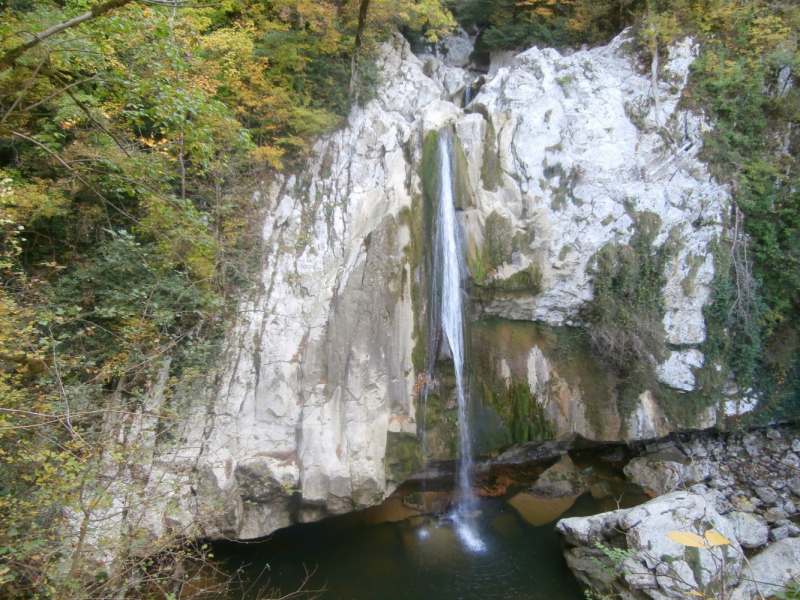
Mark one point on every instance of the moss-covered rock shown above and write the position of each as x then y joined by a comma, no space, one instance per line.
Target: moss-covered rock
498,240
502,351
500,243
403,455
464,195
491,171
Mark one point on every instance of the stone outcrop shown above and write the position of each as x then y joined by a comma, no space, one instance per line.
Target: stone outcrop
629,552
772,570
553,492
316,411
562,479
750,477
647,562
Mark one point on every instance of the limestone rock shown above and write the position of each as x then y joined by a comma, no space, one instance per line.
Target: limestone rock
775,514
751,530
714,497
316,393
659,474
777,534
773,568
657,567
676,371
647,421
767,495
587,531
743,503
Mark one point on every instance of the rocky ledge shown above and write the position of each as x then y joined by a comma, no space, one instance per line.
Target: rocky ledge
753,478
744,486
630,554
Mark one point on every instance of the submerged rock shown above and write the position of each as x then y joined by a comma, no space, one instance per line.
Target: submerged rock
388,511
436,503
538,510
553,493
560,480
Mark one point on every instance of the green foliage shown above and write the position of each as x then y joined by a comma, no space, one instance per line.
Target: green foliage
733,343
625,317
790,592
510,24
515,415
530,422
616,556
743,78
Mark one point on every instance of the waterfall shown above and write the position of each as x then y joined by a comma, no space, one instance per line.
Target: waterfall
448,309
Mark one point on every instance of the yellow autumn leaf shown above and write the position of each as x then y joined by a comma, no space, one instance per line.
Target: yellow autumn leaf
684,538
716,539
693,593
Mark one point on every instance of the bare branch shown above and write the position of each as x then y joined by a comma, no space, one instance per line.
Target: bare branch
9,59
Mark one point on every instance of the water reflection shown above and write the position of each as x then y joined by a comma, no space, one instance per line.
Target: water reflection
504,549
420,558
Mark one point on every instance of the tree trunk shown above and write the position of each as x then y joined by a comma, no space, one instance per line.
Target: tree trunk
363,8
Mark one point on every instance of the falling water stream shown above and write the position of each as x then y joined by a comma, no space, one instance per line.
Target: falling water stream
449,271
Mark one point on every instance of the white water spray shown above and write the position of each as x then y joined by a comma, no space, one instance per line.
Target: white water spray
448,274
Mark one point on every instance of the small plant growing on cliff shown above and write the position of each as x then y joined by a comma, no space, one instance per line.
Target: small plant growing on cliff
616,555
625,317
715,589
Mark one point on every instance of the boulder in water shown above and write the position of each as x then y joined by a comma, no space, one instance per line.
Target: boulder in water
560,480
552,494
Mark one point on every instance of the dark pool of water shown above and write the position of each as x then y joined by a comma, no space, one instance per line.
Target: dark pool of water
417,558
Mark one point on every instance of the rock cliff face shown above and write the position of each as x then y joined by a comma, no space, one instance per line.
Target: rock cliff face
557,157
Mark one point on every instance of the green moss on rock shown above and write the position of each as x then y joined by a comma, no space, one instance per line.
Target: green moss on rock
568,351
491,171
464,195
498,240
403,455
